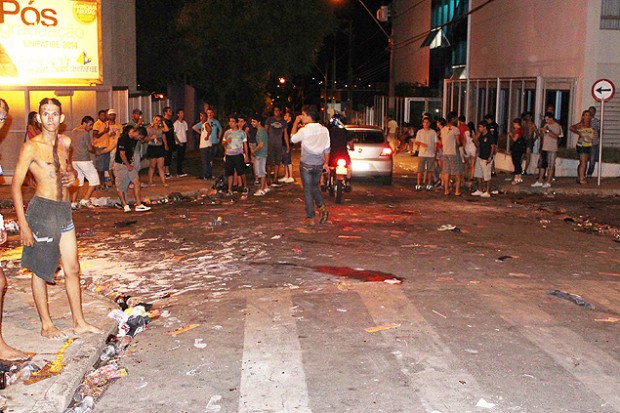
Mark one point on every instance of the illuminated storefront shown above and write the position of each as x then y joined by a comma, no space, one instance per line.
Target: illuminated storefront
80,51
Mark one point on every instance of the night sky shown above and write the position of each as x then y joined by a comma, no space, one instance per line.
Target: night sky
370,52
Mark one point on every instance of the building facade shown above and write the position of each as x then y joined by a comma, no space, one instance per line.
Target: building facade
527,55
84,55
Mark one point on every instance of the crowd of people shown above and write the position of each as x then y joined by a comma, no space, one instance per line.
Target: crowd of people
454,153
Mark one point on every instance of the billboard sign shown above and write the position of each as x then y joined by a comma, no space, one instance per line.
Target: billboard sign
50,42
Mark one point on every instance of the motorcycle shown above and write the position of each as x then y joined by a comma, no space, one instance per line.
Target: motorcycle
336,181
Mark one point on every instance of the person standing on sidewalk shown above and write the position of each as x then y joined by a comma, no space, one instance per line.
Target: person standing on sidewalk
46,228
235,145
203,129
451,139
486,151
315,147
550,132
259,152
585,131
7,352
180,137
124,169
517,149
425,144
277,132
170,140
81,144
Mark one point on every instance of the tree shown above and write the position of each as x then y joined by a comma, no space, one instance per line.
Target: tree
237,46
159,49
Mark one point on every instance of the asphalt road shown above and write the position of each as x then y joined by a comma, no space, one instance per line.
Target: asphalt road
286,312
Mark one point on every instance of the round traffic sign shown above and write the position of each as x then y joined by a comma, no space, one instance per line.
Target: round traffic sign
603,90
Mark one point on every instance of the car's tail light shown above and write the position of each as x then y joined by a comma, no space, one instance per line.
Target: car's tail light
341,162
387,151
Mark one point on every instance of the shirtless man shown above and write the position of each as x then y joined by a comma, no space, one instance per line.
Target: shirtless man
46,229
7,352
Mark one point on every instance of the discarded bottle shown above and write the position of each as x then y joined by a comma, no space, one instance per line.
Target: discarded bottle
2,230
26,370
108,352
87,403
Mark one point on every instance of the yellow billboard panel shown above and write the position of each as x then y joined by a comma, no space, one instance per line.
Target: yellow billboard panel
53,42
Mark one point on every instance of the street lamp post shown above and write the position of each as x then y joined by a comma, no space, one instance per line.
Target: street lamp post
390,39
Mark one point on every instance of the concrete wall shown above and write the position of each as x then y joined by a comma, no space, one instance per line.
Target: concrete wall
118,35
411,63
602,61
528,38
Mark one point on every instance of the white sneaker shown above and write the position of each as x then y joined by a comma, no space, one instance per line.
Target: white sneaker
276,185
267,189
537,185
546,185
290,180
418,187
75,206
485,195
477,193
142,207
127,208
282,179
260,192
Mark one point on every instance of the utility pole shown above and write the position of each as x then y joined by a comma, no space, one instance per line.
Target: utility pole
349,107
326,82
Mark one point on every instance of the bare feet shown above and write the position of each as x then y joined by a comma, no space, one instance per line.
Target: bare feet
53,333
8,353
84,328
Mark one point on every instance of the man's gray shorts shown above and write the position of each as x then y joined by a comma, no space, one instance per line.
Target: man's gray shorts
123,176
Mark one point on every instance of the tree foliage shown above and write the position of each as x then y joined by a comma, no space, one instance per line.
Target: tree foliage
230,49
159,50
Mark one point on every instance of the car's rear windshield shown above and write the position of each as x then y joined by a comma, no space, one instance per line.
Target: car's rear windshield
370,136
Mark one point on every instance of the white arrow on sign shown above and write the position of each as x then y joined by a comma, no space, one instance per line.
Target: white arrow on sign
603,90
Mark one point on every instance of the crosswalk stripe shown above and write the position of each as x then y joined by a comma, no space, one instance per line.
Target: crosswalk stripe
434,378
272,378
584,361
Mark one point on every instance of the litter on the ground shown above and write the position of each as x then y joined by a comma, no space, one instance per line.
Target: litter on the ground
393,281
383,327
439,314
607,320
571,297
446,227
182,329
199,344
485,404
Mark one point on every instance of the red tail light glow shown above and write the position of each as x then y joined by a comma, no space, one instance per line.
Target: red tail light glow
387,151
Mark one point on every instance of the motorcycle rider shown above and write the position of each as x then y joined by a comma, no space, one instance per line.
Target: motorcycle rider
341,143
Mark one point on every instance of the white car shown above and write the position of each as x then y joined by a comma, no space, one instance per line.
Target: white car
371,155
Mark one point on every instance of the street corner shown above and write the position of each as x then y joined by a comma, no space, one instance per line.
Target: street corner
46,382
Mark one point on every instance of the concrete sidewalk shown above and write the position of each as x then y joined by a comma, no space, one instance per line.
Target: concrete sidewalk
21,328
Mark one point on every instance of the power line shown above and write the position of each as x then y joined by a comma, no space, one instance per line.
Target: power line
409,8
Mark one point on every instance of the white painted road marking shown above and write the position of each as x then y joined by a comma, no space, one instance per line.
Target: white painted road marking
438,390
272,377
